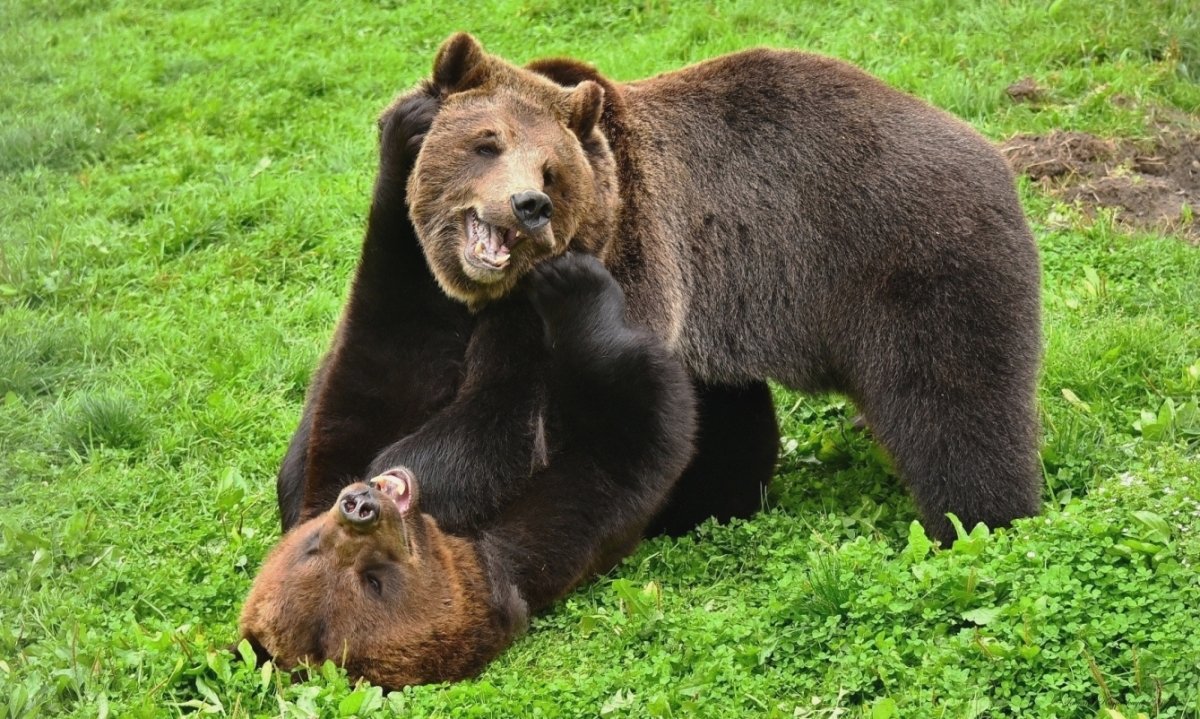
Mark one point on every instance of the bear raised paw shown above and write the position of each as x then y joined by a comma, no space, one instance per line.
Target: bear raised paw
771,215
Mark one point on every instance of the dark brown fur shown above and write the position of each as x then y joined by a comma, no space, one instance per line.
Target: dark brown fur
545,432
564,440
781,216
768,214
397,355
393,387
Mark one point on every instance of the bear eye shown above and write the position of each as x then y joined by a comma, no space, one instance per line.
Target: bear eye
374,583
547,177
313,547
487,149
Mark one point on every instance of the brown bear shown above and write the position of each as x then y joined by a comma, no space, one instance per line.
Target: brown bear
394,388
377,584
771,215
545,432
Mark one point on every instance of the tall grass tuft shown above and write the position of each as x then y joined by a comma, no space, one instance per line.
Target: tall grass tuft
105,418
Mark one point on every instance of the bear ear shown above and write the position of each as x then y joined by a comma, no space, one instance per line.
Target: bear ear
584,105
459,64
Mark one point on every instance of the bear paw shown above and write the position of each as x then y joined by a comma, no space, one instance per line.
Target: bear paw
576,297
403,128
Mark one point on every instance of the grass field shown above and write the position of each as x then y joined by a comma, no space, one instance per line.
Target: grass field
183,187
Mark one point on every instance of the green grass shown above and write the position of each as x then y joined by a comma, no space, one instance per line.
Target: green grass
182,193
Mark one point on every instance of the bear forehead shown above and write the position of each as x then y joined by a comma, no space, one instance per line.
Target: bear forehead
501,104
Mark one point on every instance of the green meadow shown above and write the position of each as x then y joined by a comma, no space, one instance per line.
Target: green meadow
183,190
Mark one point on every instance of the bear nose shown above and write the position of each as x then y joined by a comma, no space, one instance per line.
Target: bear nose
532,209
358,507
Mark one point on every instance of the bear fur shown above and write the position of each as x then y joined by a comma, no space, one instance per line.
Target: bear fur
380,585
515,452
394,385
770,215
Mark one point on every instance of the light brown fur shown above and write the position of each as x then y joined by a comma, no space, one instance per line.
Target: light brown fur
434,618
545,140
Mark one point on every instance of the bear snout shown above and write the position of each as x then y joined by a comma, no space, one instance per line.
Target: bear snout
358,507
532,209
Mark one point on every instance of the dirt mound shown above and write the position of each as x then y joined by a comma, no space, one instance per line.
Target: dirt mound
1153,184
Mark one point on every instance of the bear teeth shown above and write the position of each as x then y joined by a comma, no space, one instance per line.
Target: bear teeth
395,486
487,241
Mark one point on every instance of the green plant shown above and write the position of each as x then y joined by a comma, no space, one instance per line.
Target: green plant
183,187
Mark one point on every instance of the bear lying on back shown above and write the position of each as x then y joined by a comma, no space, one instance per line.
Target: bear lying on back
378,583
770,215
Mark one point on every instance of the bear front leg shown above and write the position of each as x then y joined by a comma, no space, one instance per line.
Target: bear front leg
605,374
622,419
478,451
397,352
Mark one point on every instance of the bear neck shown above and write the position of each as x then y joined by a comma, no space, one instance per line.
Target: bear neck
498,562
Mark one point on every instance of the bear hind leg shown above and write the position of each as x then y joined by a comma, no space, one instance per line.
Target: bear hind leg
970,453
736,450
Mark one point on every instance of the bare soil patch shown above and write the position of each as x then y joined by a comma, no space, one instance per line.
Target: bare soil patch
1152,184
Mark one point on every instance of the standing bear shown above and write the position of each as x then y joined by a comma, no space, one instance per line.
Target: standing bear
770,215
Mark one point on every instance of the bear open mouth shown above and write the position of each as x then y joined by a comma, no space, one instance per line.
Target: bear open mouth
488,247
395,484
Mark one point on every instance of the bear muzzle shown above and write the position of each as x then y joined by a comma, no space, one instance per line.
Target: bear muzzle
532,210
489,247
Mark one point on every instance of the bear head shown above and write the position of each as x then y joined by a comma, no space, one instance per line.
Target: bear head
375,586
513,170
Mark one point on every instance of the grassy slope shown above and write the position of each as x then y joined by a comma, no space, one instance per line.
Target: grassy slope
182,190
